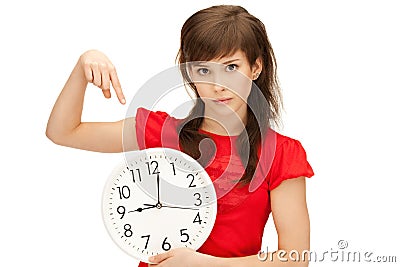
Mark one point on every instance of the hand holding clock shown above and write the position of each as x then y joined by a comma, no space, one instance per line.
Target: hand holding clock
159,187
182,257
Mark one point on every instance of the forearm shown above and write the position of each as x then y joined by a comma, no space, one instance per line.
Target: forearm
67,111
272,260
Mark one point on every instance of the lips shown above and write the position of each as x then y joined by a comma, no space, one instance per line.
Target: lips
223,100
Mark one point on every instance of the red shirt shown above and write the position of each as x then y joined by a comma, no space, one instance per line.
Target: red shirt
242,212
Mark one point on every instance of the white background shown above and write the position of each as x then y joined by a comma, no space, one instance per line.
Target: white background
338,63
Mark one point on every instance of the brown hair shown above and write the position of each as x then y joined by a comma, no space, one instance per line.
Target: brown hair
220,31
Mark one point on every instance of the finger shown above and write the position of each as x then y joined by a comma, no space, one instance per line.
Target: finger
88,73
96,74
117,86
105,77
160,257
106,93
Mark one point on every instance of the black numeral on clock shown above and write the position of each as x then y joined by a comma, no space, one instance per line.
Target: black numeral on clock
184,235
198,198
165,245
197,218
121,211
173,168
128,231
124,192
147,241
153,164
138,175
191,176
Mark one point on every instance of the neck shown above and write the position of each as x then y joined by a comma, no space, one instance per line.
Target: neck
232,124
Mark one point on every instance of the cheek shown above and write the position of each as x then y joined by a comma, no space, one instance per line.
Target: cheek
203,90
241,87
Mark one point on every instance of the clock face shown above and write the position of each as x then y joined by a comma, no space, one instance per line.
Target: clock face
157,200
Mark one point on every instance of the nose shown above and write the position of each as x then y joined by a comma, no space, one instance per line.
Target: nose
219,82
218,87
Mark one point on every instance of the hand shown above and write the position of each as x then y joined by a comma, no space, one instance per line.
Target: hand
101,72
181,257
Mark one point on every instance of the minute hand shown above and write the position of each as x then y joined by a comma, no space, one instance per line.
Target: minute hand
158,190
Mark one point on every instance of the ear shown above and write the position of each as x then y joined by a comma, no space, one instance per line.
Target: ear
256,68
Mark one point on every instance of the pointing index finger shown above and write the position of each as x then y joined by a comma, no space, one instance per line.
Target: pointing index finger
117,87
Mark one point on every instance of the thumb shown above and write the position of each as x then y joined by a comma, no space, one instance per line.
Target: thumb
160,257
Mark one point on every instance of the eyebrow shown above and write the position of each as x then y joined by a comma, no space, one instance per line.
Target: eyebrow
200,64
204,63
230,61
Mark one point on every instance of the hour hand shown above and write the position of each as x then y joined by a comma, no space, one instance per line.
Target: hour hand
148,206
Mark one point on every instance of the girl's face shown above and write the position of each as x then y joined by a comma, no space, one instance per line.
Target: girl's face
224,84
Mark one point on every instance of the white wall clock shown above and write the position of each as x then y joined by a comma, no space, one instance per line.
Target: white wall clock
156,200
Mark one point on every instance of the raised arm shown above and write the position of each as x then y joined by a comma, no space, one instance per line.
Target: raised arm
65,126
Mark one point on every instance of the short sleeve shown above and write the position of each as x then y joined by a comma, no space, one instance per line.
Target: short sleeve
155,129
290,161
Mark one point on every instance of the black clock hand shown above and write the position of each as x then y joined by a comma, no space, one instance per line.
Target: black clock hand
141,209
184,208
158,191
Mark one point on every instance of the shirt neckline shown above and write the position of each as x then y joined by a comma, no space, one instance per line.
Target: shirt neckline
218,135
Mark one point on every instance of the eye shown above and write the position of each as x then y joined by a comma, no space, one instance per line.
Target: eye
231,67
203,71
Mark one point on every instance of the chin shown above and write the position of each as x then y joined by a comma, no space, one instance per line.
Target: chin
221,111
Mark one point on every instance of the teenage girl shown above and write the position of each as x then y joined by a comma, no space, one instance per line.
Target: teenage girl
246,149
